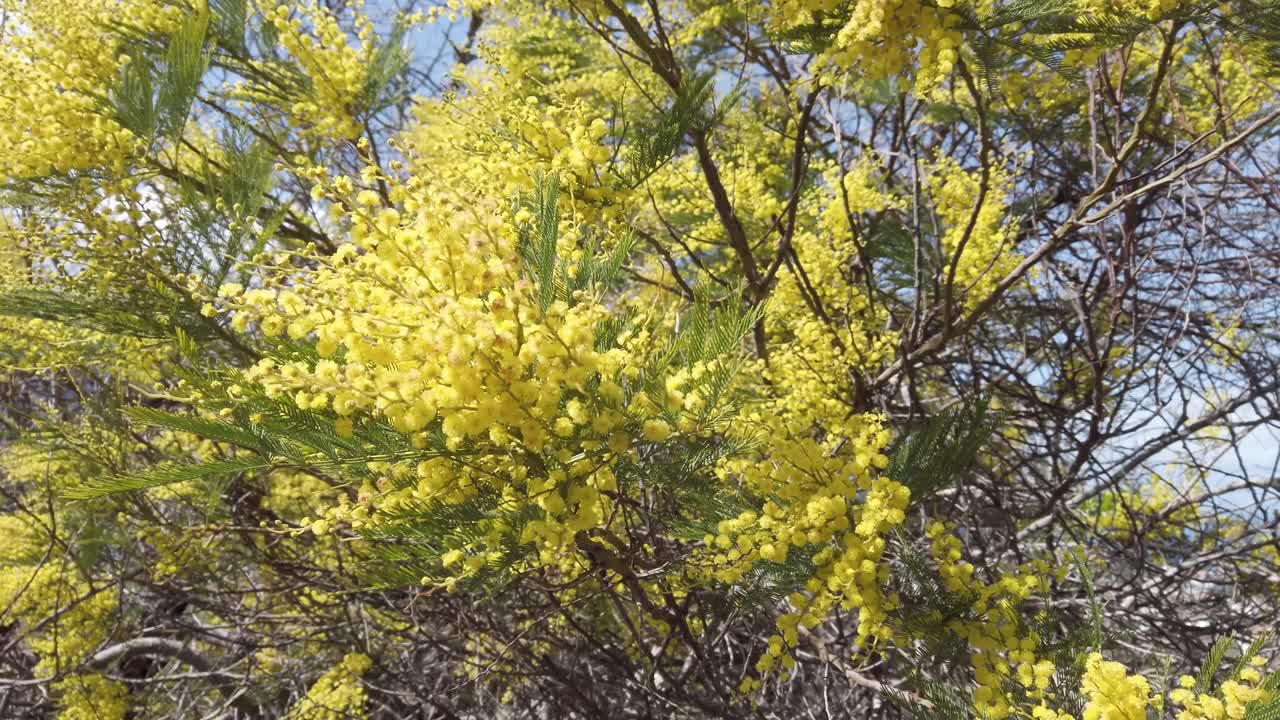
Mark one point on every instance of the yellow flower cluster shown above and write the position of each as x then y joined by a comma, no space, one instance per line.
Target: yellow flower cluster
91,697
986,254
33,587
815,461
1230,701
83,254
524,51
528,108
294,495
333,66
824,502
336,695
1121,512
58,60
426,320
813,358
182,551
884,37
814,355
497,148
1112,693
33,593
1002,648
751,176
1150,9
1232,96
857,191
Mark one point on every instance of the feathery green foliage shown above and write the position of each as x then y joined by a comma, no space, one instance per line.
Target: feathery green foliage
651,147
943,449
157,87
162,475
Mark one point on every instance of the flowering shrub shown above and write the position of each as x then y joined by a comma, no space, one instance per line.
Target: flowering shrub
684,359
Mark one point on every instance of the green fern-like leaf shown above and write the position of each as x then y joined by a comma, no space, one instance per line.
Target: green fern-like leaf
651,147
945,447
1254,648
1264,710
138,317
948,703
1095,607
1213,662
381,90
537,238
207,428
186,61
164,475
230,20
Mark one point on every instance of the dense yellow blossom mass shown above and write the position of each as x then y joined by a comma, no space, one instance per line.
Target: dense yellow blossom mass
337,695
609,316
59,62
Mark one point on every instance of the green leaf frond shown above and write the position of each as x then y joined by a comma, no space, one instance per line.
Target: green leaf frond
945,447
